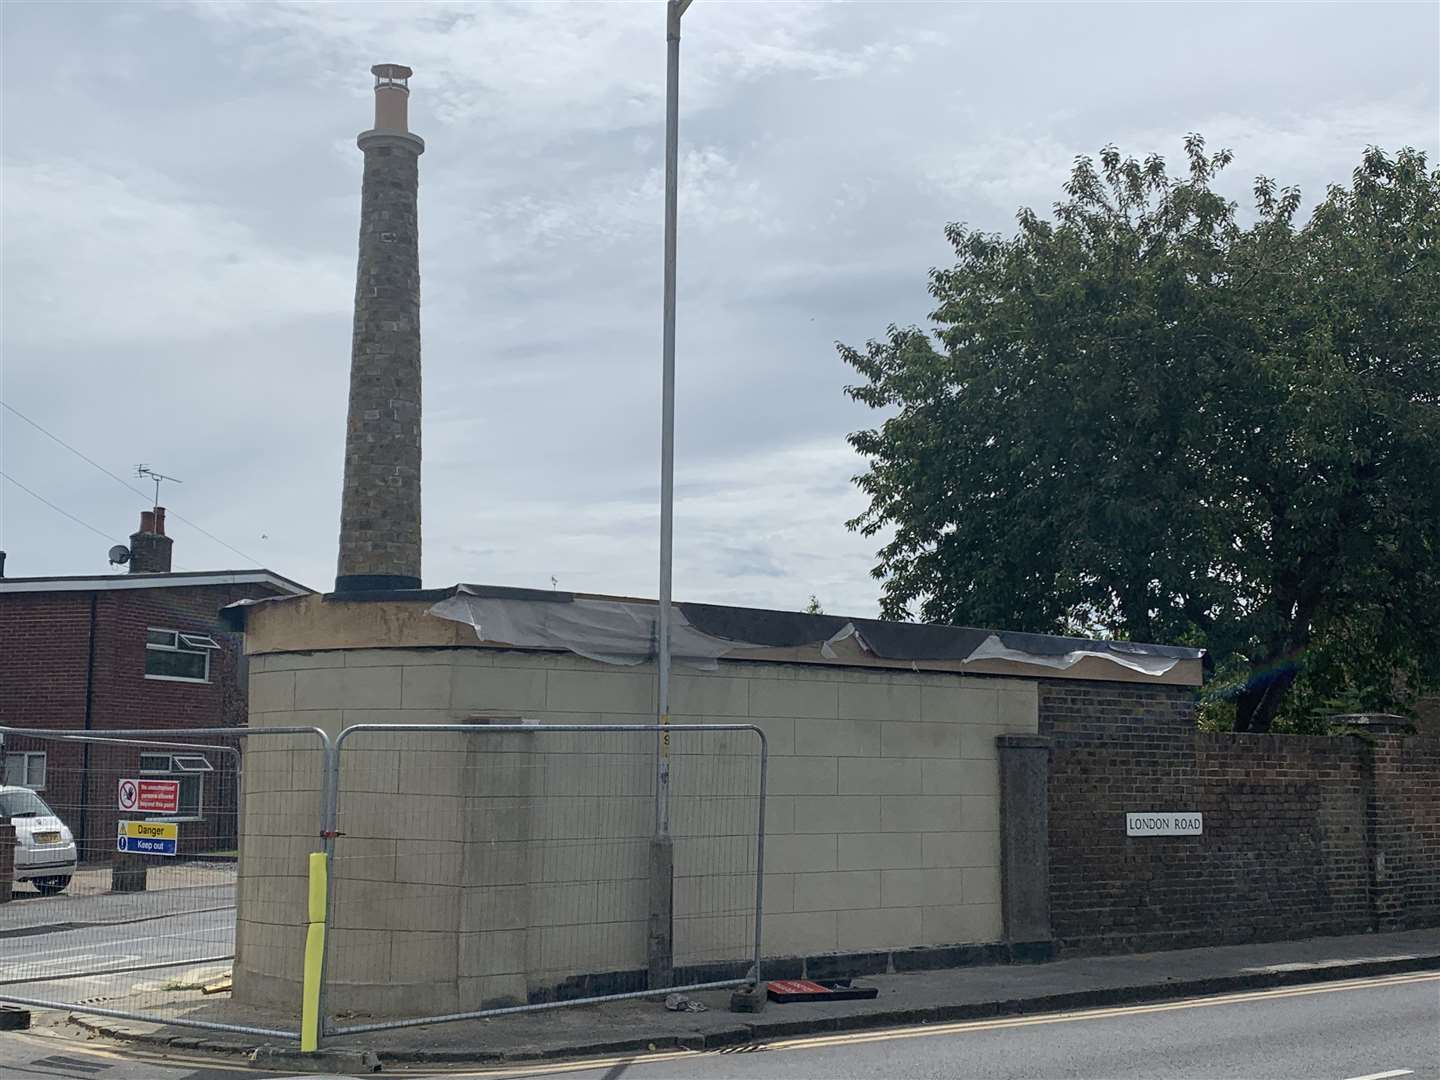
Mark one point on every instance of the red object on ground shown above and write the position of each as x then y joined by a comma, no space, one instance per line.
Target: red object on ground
785,991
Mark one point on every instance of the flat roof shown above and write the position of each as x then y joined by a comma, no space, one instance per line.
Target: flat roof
173,580
757,633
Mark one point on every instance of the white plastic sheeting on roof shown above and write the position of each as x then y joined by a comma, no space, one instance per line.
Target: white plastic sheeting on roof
992,648
622,632
610,631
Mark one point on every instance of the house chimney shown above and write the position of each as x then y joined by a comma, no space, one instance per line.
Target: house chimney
380,500
150,547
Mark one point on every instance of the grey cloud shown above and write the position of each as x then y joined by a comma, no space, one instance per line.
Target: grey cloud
181,234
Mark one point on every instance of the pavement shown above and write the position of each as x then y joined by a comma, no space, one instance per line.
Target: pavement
974,993
1356,1030
1381,1028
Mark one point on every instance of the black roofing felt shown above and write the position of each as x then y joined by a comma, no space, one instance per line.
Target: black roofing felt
897,640
792,629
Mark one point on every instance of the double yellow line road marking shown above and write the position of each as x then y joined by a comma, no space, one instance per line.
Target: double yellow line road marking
817,1042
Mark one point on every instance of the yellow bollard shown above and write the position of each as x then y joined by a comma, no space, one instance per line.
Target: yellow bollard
314,957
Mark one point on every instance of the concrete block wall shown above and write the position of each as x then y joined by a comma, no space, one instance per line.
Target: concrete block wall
883,815
281,822
493,867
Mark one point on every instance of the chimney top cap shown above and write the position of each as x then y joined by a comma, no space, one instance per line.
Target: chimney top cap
390,73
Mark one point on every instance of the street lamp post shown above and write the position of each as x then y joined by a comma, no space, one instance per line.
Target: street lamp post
660,951
674,9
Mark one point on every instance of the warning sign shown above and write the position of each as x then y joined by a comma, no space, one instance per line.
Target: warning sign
150,796
147,837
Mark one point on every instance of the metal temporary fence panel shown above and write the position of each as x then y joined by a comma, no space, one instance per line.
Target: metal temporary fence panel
484,869
127,860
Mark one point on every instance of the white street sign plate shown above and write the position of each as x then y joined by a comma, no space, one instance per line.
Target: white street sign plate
1165,823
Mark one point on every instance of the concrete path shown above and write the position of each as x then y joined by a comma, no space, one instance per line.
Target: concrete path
1384,1028
924,997
1359,1030
911,998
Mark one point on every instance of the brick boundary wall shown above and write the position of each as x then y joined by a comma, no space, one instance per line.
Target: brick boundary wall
1404,819
1302,835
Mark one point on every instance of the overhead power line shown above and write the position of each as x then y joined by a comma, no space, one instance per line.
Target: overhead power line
122,482
50,435
61,510
57,509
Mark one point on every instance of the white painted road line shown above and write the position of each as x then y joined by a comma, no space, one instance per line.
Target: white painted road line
954,1028
1384,1075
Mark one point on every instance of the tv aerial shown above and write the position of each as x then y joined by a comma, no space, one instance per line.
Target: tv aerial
147,473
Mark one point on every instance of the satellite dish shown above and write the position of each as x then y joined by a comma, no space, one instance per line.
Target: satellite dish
119,555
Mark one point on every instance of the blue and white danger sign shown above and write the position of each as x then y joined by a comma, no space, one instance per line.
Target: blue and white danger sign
148,837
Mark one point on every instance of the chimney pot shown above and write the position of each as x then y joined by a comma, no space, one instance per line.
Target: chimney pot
150,547
392,97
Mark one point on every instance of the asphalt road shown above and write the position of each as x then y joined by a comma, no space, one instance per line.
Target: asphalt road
67,965
1339,1030
184,887
27,1056
1371,1029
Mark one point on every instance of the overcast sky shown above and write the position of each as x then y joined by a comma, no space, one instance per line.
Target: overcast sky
181,199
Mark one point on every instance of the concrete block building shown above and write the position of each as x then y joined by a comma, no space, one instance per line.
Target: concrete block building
480,868
495,869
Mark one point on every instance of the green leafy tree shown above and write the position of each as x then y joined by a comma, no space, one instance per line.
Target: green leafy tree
1147,419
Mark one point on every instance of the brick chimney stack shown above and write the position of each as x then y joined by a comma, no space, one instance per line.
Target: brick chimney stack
380,501
150,547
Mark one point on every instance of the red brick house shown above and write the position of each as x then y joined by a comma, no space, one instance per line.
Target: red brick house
144,649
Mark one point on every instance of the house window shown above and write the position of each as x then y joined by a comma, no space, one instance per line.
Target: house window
26,768
178,656
189,770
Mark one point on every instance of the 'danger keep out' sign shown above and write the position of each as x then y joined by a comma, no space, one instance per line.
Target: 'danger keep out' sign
150,796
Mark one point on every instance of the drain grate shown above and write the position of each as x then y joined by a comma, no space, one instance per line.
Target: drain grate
69,1066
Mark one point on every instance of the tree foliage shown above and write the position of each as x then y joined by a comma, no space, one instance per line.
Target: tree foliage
1146,418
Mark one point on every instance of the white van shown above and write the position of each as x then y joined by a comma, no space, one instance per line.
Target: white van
44,846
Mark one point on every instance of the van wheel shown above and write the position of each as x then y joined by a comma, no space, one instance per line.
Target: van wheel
51,886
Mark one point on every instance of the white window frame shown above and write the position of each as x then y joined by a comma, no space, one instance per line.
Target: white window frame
181,642
195,765
27,759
